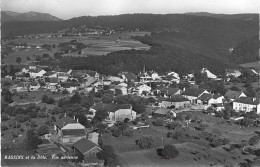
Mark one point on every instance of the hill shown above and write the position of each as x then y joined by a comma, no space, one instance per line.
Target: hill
246,51
9,16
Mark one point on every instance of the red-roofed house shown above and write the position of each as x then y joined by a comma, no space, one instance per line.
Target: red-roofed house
87,151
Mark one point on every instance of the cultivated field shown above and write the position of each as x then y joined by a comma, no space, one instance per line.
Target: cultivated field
255,65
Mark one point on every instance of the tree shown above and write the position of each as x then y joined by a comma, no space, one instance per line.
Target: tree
101,115
107,98
76,98
117,132
169,152
107,153
101,128
32,139
254,140
7,95
123,127
158,122
18,60
173,125
145,142
45,99
28,58
42,130
234,88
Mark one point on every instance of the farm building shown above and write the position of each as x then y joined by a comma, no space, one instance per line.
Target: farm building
232,95
68,130
193,94
162,112
86,150
247,104
175,101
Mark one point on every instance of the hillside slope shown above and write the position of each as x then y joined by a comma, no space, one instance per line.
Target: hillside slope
246,51
9,16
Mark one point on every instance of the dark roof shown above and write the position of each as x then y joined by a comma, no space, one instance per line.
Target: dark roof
35,70
233,94
162,111
129,76
248,100
34,83
21,84
205,97
169,91
68,84
91,73
60,70
73,132
84,145
217,105
64,121
177,98
54,80
193,92
111,107
169,77
49,73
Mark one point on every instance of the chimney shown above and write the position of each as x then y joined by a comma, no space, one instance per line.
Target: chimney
254,99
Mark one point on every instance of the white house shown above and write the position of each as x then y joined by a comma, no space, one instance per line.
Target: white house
193,95
233,72
209,99
247,104
36,72
114,79
121,112
176,101
68,130
33,86
209,74
143,88
232,95
63,76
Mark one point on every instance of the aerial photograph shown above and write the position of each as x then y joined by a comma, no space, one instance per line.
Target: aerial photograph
130,83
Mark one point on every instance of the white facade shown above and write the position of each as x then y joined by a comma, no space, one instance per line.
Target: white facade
38,74
143,88
214,101
246,107
121,114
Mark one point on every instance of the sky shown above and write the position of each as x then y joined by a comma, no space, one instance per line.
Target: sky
66,9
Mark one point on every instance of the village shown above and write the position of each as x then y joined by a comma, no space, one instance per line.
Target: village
79,113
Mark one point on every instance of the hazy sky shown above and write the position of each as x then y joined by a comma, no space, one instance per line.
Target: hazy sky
67,9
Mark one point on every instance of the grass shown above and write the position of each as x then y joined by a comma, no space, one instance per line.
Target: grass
255,65
35,96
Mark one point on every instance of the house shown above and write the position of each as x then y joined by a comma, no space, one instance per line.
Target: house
168,91
232,95
9,77
128,77
120,88
37,72
69,86
176,101
93,74
193,94
33,86
22,87
114,79
247,104
121,112
233,72
87,151
171,73
51,74
218,106
208,73
207,98
68,130
51,83
162,112
63,76
142,88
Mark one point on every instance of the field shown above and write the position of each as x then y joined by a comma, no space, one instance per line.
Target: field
255,65
193,151
35,96
97,45
11,58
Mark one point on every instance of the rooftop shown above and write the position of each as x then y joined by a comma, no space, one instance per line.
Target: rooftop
84,145
193,92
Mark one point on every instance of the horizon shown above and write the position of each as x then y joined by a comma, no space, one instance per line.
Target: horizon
63,9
